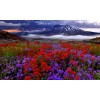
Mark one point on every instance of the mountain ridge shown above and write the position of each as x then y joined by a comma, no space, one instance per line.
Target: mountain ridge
7,35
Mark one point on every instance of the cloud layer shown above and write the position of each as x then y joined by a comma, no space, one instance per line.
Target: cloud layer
62,37
75,23
2,23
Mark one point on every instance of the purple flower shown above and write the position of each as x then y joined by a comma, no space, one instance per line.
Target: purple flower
98,63
19,65
23,61
54,69
18,61
8,72
89,76
20,70
89,62
4,71
61,71
50,78
95,72
59,78
6,77
98,58
90,69
83,78
55,64
80,74
65,74
98,71
19,75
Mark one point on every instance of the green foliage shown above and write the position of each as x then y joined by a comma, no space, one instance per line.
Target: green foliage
97,76
94,49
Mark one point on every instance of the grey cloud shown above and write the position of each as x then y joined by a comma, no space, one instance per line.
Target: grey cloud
2,23
75,23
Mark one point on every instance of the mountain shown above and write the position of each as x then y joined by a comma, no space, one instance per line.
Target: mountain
6,35
65,30
33,27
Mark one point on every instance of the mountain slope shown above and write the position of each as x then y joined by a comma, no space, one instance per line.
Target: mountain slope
95,40
6,35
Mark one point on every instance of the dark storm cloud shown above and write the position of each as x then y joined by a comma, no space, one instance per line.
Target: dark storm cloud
75,23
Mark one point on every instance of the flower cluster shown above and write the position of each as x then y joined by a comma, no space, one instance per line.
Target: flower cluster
48,61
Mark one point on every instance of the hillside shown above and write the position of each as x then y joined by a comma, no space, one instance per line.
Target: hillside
6,35
96,39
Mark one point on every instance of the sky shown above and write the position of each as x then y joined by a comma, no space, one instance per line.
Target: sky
78,23
88,25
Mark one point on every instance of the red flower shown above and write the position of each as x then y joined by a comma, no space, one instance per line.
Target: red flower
37,74
71,61
82,55
74,72
48,68
33,63
66,55
93,58
69,70
29,54
27,78
65,77
44,67
25,71
77,77
25,65
75,63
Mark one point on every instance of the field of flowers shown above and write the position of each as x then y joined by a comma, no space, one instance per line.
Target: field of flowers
57,60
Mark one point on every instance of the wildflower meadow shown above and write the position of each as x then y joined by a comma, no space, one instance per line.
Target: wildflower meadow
57,60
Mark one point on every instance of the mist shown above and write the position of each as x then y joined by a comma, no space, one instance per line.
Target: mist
62,37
